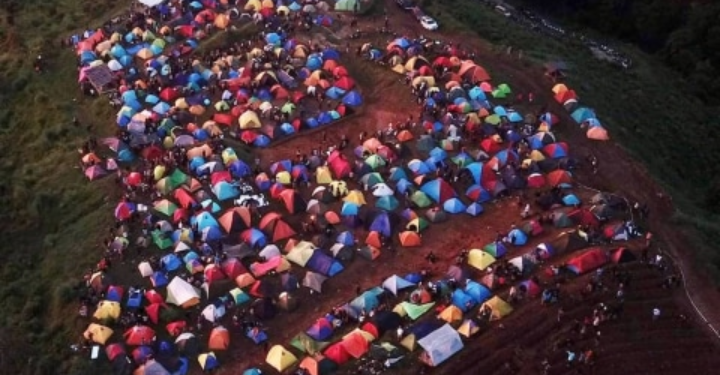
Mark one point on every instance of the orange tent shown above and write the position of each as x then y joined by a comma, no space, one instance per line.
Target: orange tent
235,220
332,218
598,133
558,177
410,239
219,339
373,239
184,198
244,280
564,96
405,136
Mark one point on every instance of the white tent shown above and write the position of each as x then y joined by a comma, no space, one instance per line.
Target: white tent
314,281
145,269
382,190
395,283
151,3
213,313
441,344
181,293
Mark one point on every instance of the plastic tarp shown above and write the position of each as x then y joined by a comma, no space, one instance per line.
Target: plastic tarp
441,344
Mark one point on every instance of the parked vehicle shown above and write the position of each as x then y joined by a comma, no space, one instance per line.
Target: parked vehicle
428,23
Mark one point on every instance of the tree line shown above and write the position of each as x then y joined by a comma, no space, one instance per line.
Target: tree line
683,34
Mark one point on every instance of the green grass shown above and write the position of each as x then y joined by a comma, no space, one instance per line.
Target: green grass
51,216
648,110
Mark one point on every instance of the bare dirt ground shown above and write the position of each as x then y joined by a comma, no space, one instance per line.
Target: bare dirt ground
631,345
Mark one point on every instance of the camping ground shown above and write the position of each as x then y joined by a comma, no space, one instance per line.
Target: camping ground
55,217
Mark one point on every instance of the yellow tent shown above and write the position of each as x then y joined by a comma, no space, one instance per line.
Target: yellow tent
145,54
301,253
249,120
338,188
415,62
409,342
430,81
268,4
480,259
451,314
399,69
356,197
283,177
499,308
323,175
283,10
536,155
97,333
255,5
559,88
205,358
107,310
468,328
280,358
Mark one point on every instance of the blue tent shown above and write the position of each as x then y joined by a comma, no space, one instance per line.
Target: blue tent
403,185
571,200
159,279
462,300
395,283
320,331
438,154
223,190
365,302
381,224
261,141
203,220
334,93
352,99
330,54
349,209
477,291
346,238
239,169
170,262
474,209
323,264
454,206
517,237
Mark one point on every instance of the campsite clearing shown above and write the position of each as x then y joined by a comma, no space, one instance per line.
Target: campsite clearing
64,208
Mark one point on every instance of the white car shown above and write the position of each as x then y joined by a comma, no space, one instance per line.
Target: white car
428,23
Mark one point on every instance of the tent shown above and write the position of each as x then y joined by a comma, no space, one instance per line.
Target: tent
588,261
622,255
280,358
395,283
498,308
181,293
480,259
440,345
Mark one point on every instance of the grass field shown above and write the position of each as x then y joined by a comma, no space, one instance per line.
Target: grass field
52,218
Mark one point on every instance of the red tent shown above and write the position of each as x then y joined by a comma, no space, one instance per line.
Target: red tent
213,273
114,350
355,344
139,335
175,328
588,261
583,216
233,268
184,198
337,353
346,83
154,297
153,312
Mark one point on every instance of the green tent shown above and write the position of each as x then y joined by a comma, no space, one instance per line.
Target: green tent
347,5
415,311
375,161
161,240
178,178
420,199
306,344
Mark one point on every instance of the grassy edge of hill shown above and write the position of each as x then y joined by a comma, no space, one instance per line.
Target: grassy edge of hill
648,111
53,218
